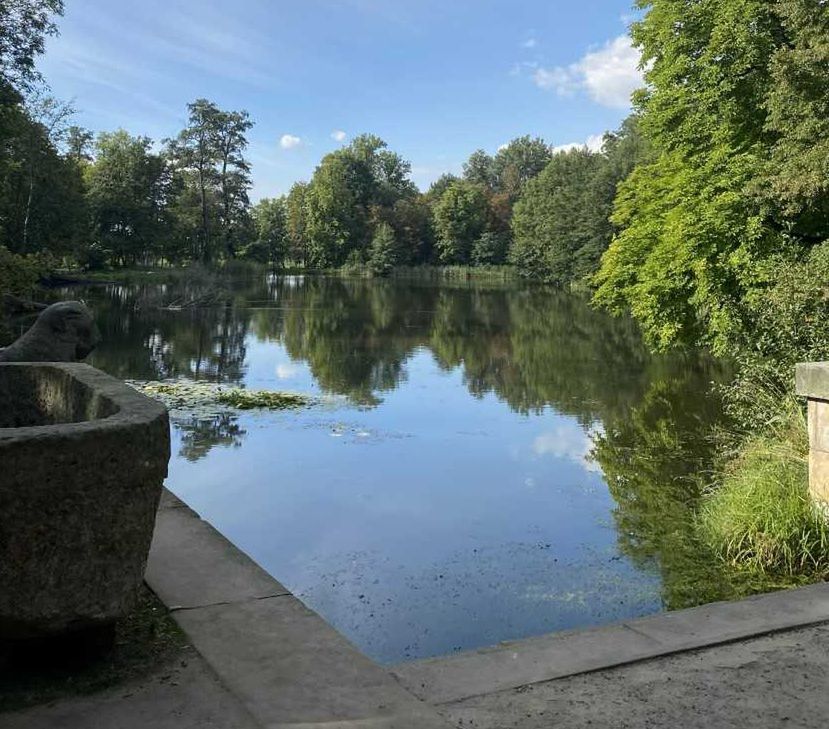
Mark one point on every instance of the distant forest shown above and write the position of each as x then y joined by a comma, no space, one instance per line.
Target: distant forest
705,214
110,199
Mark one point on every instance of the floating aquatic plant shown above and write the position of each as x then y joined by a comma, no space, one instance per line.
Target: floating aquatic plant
205,397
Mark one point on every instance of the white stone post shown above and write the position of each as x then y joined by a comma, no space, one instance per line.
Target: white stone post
812,382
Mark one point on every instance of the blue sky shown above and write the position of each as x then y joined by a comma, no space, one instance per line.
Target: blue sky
436,79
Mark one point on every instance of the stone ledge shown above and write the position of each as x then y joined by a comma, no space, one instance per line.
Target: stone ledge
282,661
812,380
558,655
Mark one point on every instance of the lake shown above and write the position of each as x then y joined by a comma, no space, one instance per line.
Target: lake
482,463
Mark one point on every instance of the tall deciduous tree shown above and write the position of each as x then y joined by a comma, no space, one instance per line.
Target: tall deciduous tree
209,154
517,163
195,154
296,217
128,193
695,238
24,25
352,191
460,219
552,220
234,175
561,220
270,223
79,144
478,169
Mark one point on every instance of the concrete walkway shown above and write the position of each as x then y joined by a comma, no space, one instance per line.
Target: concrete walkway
260,658
781,680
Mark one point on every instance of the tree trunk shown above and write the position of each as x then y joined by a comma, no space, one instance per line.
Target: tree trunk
28,213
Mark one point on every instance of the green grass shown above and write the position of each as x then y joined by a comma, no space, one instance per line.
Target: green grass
760,517
456,273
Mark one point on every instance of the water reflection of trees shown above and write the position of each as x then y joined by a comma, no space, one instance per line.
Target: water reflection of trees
200,434
144,340
530,347
655,459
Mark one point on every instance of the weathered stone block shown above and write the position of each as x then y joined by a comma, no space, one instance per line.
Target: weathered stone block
819,425
82,462
819,476
812,380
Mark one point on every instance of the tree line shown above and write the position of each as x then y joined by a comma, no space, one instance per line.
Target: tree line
705,214
114,199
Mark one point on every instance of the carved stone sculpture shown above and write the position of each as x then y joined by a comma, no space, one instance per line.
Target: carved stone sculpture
64,332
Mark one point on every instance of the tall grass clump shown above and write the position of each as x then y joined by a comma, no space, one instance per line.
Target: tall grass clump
760,517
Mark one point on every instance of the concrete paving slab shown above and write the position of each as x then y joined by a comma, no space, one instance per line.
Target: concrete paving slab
509,665
192,565
185,695
170,501
521,663
290,668
723,622
779,680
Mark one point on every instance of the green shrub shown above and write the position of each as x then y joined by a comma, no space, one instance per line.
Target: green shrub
256,251
760,518
20,274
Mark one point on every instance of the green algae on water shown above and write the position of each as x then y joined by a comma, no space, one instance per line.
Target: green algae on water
204,397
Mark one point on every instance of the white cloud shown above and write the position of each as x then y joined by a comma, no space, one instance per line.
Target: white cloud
569,147
608,75
561,80
529,43
594,143
289,141
338,135
502,147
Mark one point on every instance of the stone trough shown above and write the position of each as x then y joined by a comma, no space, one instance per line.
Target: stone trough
82,462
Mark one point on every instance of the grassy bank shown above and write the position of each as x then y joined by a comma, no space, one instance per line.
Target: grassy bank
197,272
457,273
759,517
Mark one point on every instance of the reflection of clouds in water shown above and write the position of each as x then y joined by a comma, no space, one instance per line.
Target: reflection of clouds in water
287,371
571,442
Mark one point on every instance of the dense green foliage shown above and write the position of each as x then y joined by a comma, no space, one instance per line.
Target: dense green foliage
20,274
735,112
721,240
383,254
460,220
24,26
561,221
270,222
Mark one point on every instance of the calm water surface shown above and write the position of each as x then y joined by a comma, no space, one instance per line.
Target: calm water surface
484,463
